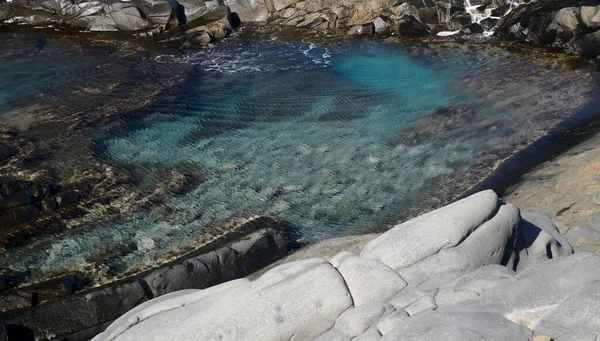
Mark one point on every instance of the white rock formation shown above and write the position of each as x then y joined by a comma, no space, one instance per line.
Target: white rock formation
446,275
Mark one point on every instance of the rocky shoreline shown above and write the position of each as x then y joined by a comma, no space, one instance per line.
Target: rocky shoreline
569,25
418,304
475,269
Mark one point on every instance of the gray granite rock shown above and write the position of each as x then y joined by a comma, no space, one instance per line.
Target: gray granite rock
390,321
457,288
458,326
424,236
539,240
369,280
299,299
577,317
356,321
548,283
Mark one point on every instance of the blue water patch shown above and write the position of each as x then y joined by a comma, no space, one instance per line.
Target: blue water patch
336,139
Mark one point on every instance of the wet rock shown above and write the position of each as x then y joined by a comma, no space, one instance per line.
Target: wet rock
474,28
488,23
366,29
67,198
16,216
82,310
459,20
3,332
6,152
383,25
411,26
14,200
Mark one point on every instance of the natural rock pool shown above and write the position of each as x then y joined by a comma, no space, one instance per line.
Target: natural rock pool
156,149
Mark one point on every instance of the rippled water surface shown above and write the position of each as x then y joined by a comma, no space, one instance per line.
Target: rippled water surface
334,138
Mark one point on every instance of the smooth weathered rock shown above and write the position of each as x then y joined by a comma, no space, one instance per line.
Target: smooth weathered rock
390,321
370,335
298,299
356,321
577,317
467,294
457,326
485,278
425,303
421,237
491,243
547,283
454,296
369,280
539,240
333,335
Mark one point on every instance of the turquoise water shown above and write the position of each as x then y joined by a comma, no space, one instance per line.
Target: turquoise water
336,139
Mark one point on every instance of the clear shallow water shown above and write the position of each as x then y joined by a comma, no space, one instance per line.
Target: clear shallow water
336,139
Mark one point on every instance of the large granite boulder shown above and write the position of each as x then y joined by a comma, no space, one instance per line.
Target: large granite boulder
449,274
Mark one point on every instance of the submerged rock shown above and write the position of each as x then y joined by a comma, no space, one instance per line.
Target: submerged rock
464,294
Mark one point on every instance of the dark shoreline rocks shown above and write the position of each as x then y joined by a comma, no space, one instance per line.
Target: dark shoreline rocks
76,313
569,25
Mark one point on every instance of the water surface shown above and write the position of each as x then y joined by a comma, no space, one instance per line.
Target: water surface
335,138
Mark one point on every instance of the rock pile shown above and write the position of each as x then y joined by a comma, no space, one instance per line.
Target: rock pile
570,25
476,269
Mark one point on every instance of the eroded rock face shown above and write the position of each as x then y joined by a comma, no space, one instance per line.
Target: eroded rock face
465,291
203,21
570,25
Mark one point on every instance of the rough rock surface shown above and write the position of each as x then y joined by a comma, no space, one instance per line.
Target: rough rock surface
570,25
567,190
315,299
202,21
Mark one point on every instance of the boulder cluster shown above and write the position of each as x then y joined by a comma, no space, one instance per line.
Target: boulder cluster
573,26
477,269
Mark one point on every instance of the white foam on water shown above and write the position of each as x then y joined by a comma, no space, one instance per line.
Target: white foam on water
263,57
447,33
